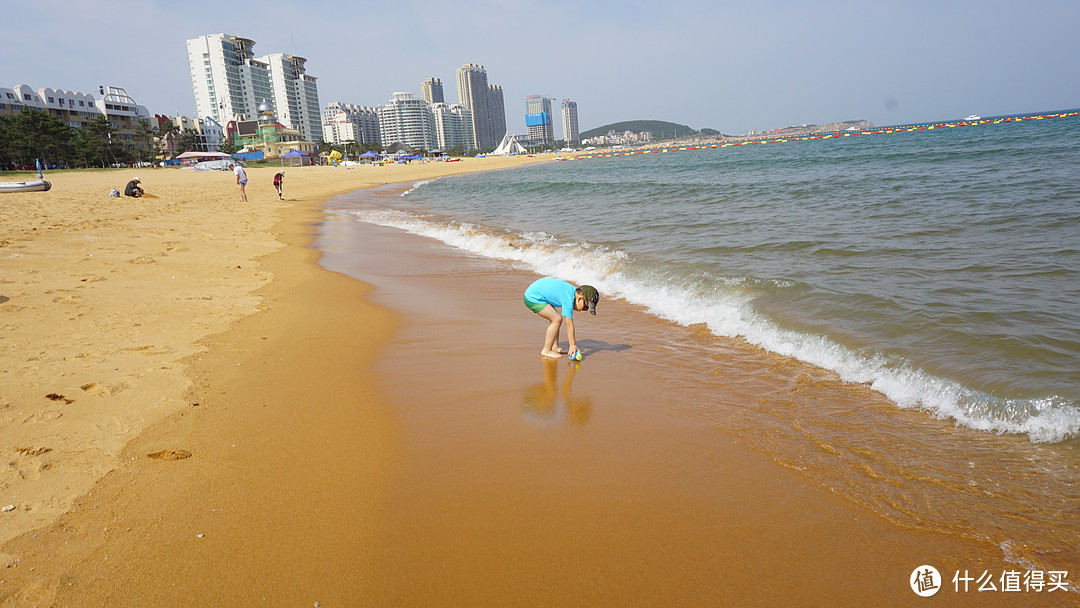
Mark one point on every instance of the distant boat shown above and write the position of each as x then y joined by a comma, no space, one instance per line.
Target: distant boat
30,186
974,117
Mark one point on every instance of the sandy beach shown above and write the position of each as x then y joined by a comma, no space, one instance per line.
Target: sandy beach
196,412
108,303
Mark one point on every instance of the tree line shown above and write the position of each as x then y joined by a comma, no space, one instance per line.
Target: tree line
34,135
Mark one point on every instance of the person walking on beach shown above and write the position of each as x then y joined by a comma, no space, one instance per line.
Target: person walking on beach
547,294
241,179
278,178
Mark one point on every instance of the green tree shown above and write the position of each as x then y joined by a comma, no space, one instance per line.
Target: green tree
184,143
228,146
98,143
144,142
33,134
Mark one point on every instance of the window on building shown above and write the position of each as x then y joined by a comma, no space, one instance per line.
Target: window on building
26,97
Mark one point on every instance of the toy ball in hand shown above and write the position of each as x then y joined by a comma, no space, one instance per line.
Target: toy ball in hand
576,355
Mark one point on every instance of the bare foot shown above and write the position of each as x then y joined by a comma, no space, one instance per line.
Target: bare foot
551,354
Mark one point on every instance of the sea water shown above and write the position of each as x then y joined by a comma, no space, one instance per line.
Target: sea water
935,267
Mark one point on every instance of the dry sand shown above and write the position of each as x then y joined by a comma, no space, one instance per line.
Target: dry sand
221,439
106,302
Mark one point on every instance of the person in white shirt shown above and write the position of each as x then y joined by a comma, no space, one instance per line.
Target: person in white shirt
241,179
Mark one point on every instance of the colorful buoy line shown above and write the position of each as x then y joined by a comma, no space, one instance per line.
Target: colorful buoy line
877,131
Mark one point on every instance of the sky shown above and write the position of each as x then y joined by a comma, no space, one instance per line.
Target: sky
729,66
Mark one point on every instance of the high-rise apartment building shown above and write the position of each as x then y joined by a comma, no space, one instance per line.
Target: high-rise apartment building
486,103
431,90
344,122
570,132
453,126
407,120
229,83
498,112
538,120
296,96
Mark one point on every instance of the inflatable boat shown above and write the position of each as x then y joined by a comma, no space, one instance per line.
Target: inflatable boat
31,186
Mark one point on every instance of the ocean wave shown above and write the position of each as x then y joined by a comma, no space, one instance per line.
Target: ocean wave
725,306
417,185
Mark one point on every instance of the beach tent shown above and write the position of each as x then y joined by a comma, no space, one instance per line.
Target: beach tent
291,155
509,147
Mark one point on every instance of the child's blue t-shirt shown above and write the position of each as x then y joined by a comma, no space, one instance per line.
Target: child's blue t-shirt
556,292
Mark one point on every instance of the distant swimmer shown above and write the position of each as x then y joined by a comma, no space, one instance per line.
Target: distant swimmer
547,294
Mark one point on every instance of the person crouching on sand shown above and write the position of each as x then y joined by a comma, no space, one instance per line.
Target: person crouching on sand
278,178
547,294
133,188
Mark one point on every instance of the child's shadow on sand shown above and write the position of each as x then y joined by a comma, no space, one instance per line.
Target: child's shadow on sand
590,347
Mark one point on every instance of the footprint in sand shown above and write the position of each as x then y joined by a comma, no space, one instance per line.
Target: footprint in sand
99,388
115,425
170,455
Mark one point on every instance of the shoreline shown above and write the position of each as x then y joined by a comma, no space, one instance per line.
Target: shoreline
304,485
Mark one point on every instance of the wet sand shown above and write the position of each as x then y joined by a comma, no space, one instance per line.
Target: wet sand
401,442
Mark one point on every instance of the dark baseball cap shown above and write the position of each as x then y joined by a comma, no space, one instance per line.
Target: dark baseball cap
591,296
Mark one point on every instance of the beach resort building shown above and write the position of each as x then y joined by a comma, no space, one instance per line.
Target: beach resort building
538,120
486,104
570,130
407,120
431,90
76,109
346,122
453,126
229,83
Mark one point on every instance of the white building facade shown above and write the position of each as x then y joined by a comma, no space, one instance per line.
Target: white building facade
77,109
453,126
407,120
229,82
346,122
296,94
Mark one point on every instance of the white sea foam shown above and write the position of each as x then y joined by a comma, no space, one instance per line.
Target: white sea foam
417,185
724,305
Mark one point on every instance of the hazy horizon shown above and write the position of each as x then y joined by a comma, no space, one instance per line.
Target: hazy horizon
717,65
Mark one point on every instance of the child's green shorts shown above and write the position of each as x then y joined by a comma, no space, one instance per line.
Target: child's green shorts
534,306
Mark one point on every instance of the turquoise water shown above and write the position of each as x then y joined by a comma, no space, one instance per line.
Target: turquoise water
938,267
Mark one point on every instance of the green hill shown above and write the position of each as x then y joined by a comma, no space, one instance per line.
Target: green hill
659,128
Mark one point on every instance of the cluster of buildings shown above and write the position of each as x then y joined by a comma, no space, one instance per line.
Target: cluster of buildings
231,84
270,104
626,138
